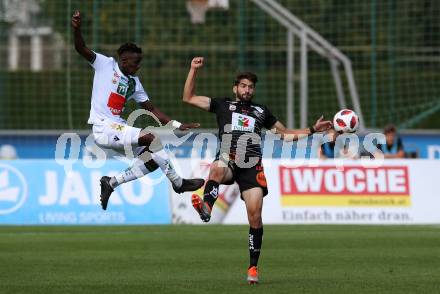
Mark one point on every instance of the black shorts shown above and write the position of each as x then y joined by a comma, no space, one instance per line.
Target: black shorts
247,178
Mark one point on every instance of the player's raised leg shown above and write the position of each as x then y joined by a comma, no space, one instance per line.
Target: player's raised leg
253,199
150,157
142,166
161,158
219,173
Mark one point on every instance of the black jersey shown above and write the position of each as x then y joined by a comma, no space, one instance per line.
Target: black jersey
240,124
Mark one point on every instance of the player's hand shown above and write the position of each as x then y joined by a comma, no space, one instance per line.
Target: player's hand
76,20
322,125
197,62
185,127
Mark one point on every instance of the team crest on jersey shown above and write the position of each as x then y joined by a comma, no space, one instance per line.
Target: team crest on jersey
241,122
232,107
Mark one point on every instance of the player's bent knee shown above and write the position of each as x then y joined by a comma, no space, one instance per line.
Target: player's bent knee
217,174
255,220
257,223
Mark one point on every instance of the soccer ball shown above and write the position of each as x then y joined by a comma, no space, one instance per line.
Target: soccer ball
346,121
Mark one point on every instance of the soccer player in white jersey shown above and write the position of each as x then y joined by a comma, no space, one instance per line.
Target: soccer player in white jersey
114,83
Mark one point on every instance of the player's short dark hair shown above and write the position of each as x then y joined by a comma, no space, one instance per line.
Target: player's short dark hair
129,47
389,129
245,75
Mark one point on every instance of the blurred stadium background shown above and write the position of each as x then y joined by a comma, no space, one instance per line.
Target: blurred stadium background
393,47
312,57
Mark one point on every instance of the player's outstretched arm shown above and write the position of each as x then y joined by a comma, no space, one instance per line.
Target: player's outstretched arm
80,45
189,95
321,125
165,119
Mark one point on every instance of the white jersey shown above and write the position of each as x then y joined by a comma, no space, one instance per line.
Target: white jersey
111,89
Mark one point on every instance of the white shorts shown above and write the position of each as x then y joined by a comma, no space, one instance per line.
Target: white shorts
117,136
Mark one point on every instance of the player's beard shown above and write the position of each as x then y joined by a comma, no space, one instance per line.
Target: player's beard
244,98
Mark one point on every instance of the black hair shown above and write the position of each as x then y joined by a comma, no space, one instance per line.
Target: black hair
389,129
245,75
129,47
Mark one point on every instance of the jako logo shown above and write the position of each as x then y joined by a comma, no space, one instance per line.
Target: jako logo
13,189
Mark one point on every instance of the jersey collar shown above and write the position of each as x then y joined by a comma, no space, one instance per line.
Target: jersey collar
245,103
119,72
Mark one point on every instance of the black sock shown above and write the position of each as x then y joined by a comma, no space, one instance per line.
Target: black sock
255,241
151,165
210,193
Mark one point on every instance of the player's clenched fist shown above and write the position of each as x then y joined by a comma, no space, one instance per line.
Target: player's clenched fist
76,20
197,62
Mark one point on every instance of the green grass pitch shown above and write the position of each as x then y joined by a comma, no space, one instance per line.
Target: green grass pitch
213,259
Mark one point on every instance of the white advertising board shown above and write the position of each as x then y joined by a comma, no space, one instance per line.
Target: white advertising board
357,192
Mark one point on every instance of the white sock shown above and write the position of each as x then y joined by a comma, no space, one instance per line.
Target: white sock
137,170
163,161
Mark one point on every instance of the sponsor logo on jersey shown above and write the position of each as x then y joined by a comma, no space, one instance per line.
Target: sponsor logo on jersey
241,122
116,103
353,186
117,127
232,107
122,89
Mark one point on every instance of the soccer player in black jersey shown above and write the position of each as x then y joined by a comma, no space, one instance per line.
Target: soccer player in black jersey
240,123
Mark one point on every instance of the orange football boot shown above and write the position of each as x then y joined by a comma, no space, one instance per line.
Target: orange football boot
202,208
252,277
